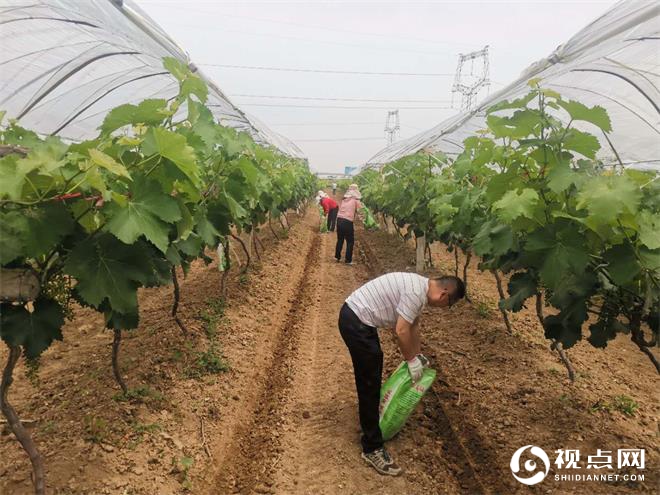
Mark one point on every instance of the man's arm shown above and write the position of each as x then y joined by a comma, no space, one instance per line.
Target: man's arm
407,335
416,336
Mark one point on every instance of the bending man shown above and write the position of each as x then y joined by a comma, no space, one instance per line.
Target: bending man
395,301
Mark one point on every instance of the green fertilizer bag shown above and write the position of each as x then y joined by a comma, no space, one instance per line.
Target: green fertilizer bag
370,222
399,397
323,228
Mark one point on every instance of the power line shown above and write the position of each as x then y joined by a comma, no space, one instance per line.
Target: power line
340,106
329,71
332,140
324,124
316,98
314,27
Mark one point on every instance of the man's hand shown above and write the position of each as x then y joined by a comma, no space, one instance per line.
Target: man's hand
415,368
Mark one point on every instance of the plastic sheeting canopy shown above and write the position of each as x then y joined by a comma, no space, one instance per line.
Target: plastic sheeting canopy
614,62
65,63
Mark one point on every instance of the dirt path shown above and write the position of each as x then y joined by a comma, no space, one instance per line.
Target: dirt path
303,435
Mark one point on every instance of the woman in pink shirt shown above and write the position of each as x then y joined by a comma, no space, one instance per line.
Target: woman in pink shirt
345,218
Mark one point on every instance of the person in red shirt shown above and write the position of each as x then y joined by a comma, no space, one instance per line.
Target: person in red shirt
330,210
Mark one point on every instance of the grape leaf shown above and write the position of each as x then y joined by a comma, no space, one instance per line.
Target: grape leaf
623,266
174,147
107,269
606,198
566,326
193,85
605,329
148,211
178,69
47,225
582,142
13,231
108,163
11,179
34,331
596,115
150,112
521,287
649,229
45,157
515,204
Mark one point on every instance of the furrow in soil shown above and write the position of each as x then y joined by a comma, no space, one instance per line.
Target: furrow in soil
256,446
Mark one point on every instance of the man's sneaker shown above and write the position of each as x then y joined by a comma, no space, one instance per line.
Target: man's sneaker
382,462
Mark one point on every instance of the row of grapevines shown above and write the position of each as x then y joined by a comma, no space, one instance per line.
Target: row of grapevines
528,196
160,183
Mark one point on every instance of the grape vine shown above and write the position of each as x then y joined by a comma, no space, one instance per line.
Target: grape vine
97,220
528,196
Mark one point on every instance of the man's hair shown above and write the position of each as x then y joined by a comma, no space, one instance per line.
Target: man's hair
451,280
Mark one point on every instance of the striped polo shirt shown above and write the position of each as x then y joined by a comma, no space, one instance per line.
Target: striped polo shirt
379,303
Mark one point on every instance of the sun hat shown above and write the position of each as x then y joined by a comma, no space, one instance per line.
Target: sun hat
353,192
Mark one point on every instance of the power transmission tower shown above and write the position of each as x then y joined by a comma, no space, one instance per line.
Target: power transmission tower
469,83
392,126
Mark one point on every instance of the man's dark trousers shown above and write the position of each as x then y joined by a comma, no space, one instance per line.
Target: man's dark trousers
364,347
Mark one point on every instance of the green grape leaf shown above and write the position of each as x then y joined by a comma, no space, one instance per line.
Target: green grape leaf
566,327
11,179
149,112
34,331
108,163
623,265
147,212
184,226
596,115
557,253
178,69
107,269
605,329
520,124
582,142
13,232
649,229
493,239
508,104
608,197
193,85
500,184
571,286
174,147
236,210
47,225
561,177
191,246
515,204
650,259
45,157
115,320
205,229
521,287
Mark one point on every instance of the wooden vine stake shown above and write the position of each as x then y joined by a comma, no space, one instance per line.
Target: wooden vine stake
468,257
420,261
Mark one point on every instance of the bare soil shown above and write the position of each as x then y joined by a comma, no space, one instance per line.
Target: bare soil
283,418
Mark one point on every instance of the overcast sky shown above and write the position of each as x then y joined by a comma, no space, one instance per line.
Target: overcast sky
403,37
